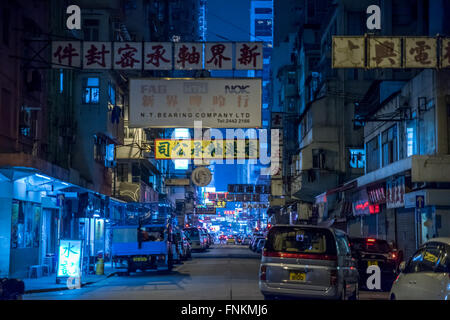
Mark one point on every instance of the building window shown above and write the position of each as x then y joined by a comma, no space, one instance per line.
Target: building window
122,172
6,18
373,157
91,91
263,27
411,138
389,145
91,28
357,158
135,172
99,149
318,157
263,10
111,94
25,223
6,112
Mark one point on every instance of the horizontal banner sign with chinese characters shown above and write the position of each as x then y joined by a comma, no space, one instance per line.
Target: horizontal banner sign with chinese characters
390,52
205,210
177,103
157,55
206,149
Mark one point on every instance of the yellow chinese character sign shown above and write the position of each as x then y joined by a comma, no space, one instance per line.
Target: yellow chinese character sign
420,52
390,52
348,52
166,149
384,52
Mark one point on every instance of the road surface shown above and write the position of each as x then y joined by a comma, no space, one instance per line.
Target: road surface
225,272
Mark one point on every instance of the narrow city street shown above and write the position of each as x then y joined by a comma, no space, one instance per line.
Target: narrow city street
224,272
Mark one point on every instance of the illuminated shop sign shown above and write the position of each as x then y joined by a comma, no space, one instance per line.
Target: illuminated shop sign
69,258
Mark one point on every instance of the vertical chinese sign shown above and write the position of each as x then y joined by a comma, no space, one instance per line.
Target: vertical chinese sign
188,56
66,54
69,259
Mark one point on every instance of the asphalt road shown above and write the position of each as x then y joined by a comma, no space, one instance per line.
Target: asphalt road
225,272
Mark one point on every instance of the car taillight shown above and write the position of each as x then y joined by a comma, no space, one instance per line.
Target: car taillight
262,274
333,277
392,256
299,255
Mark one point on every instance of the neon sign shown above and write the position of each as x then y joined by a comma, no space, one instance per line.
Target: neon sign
69,258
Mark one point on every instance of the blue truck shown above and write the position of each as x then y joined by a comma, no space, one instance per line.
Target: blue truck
144,246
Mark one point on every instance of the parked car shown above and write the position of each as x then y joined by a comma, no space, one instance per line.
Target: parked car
260,245
246,241
255,243
371,251
426,275
183,245
307,262
196,239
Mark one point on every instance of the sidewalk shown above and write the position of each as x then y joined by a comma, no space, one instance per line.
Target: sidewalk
46,284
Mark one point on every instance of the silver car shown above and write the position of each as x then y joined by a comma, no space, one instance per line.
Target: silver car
304,261
426,275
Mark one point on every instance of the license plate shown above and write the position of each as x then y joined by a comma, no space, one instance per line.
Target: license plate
372,263
297,276
140,259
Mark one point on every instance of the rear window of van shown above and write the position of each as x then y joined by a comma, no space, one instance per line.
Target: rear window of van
301,240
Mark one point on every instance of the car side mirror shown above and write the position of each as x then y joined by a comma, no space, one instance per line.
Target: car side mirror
402,266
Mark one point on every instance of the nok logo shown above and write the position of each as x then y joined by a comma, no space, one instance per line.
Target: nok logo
237,89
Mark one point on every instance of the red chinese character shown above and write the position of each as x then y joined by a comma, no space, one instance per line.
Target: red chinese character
127,59
189,57
248,55
217,51
156,55
95,56
67,53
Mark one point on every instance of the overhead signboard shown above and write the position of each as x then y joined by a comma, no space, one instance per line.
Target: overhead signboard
177,182
175,102
166,149
157,55
205,210
390,52
395,193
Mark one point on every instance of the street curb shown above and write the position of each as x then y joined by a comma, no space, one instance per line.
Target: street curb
66,288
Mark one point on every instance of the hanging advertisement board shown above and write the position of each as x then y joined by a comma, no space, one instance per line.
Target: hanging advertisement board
69,259
178,102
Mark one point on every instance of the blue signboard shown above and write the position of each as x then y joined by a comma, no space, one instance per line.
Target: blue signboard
69,258
420,202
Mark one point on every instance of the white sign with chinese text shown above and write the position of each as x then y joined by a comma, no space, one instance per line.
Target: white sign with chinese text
348,52
157,56
66,54
127,56
218,103
188,56
420,52
69,258
249,56
97,55
218,56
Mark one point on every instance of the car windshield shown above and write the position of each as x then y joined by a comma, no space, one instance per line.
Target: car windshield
301,240
370,245
192,234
